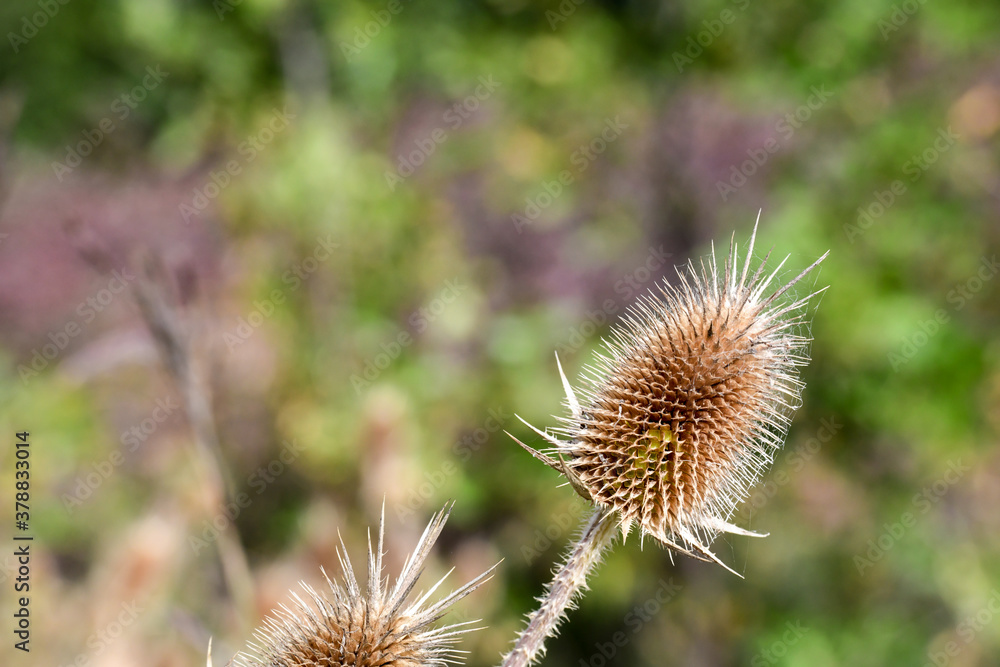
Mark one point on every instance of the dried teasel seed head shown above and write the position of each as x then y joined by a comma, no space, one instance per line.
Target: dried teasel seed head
689,402
379,628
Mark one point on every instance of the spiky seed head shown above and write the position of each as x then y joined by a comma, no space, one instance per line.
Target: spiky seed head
377,628
689,402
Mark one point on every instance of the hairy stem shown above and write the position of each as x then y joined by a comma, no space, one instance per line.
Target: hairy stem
570,578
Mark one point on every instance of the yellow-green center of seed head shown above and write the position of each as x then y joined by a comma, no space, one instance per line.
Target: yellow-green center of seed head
658,444
650,454
645,482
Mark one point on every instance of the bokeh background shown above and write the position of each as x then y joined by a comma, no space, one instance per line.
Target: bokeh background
372,223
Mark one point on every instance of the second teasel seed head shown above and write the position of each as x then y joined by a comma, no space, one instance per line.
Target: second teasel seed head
380,627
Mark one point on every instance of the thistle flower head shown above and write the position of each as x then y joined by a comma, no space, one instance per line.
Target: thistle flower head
377,628
688,403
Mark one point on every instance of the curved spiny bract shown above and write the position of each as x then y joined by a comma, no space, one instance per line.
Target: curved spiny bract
380,627
689,402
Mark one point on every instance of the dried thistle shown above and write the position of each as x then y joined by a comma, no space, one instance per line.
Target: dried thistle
681,415
380,628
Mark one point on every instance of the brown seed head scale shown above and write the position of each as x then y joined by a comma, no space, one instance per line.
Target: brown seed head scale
379,628
689,402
